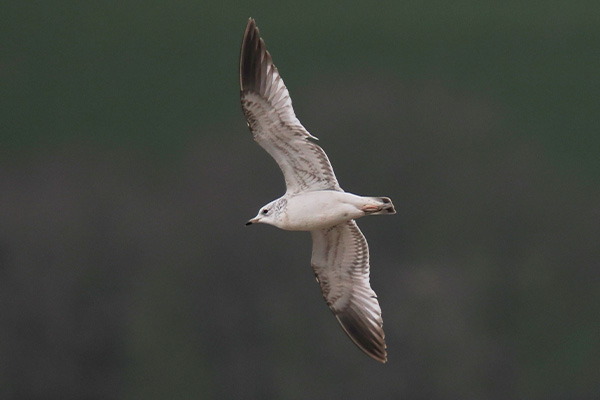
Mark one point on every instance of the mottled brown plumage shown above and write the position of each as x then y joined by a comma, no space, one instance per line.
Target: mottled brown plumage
271,118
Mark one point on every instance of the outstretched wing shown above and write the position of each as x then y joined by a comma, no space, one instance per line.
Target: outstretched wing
340,259
271,118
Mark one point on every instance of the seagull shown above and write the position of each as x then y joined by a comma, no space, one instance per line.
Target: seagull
314,200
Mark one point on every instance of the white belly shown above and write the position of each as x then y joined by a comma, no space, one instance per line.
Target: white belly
320,209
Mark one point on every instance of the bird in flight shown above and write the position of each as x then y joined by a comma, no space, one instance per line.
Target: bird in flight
314,200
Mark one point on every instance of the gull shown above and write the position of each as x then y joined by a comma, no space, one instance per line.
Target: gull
314,200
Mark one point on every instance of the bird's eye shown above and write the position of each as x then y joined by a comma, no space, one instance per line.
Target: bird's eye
265,211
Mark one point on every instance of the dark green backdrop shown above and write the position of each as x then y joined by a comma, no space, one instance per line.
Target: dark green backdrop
127,173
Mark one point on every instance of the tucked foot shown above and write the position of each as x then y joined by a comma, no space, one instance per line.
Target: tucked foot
370,209
381,205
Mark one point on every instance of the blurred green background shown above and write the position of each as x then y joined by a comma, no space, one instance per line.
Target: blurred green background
127,173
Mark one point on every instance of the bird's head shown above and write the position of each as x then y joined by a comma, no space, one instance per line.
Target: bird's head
266,215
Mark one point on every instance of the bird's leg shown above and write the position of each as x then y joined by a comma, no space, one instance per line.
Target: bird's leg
369,208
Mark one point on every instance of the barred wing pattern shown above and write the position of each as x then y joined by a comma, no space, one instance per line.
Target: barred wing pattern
268,109
340,260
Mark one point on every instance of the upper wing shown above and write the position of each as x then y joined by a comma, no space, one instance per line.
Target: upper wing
268,109
340,260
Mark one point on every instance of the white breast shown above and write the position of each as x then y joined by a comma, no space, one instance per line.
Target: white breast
309,211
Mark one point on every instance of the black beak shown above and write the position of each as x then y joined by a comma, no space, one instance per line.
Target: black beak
253,220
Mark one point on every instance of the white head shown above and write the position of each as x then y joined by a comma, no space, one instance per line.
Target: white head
268,214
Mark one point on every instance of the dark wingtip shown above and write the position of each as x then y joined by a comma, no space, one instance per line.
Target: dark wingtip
251,57
370,342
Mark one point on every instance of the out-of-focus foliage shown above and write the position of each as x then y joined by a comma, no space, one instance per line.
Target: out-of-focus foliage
127,172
